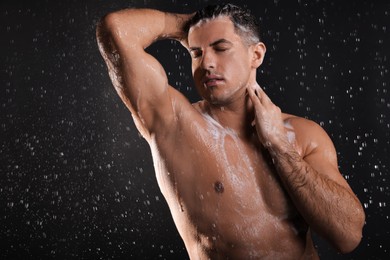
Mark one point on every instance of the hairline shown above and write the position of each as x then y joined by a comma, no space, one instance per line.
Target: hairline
246,36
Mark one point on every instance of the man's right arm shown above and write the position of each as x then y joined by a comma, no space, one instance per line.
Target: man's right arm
138,77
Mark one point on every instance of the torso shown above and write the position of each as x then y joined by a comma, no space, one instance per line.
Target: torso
224,194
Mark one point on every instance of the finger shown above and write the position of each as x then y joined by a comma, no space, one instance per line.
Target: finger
257,93
255,101
250,92
253,95
263,96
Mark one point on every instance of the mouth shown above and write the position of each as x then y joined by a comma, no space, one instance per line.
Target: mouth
212,80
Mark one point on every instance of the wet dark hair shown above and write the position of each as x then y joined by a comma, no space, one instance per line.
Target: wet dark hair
245,24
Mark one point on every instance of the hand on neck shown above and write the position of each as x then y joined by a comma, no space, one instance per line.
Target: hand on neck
237,115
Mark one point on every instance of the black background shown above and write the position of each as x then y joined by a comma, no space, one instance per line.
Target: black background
77,181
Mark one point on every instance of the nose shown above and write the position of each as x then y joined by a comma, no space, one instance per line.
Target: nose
208,60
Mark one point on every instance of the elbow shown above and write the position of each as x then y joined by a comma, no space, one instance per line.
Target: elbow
114,30
106,31
349,244
352,239
105,26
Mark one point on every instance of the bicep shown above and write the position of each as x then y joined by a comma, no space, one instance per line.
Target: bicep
138,77
144,87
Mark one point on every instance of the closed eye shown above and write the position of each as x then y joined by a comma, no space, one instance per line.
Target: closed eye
221,45
220,49
196,53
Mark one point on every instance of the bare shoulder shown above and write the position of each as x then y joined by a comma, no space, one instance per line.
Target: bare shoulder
309,135
300,123
316,147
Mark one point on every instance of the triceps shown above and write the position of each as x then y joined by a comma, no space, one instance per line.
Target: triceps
114,70
111,56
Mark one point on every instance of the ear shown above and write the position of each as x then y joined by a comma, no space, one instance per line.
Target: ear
258,52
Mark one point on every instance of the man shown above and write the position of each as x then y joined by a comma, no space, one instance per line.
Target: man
242,179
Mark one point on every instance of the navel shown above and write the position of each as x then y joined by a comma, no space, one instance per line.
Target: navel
218,187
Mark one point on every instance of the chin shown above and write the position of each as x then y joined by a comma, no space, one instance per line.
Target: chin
219,100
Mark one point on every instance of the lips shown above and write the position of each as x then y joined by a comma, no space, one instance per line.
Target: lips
212,80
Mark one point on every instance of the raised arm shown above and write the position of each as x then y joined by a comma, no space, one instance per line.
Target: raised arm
310,174
138,77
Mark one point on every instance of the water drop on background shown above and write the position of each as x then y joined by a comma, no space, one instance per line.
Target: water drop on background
77,180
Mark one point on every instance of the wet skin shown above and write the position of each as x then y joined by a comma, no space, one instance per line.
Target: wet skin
220,183
215,159
224,195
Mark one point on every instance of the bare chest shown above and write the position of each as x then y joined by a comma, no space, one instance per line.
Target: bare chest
223,190
212,171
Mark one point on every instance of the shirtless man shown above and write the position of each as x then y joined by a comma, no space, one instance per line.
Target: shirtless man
242,179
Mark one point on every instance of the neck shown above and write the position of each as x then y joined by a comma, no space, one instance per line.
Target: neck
237,115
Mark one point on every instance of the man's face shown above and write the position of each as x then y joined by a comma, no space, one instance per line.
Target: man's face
221,62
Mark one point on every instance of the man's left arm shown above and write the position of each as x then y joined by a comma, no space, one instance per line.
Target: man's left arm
311,177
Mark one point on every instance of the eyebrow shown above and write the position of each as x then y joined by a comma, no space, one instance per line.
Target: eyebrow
212,44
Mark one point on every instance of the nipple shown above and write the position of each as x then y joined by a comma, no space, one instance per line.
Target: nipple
218,187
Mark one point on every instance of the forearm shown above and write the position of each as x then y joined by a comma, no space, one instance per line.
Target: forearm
141,27
329,208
